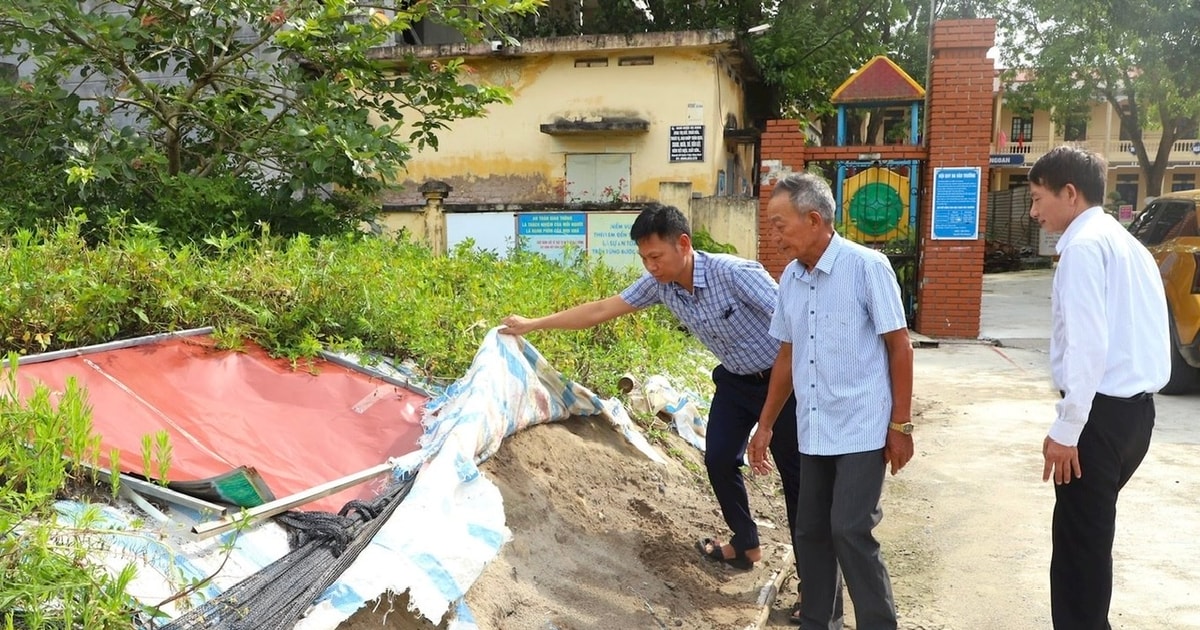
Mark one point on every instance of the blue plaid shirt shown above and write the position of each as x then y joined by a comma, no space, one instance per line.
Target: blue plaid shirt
729,310
834,317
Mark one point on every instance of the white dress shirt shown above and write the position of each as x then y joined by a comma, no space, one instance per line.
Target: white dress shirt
1109,320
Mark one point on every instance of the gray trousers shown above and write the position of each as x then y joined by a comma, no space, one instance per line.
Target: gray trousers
838,508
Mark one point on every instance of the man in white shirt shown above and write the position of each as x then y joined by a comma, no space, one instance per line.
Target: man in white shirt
1109,353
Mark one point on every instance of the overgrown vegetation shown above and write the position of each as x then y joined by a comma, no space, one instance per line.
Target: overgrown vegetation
703,241
47,577
295,295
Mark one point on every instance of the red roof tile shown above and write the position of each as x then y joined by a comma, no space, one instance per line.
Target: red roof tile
880,80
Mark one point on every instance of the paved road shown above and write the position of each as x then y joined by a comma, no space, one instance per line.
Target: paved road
1016,314
966,528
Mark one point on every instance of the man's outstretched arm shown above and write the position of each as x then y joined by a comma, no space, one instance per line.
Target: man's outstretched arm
574,318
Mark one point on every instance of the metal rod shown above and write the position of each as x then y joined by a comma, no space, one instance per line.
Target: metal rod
141,502
165,494
391,380
267,510
112,345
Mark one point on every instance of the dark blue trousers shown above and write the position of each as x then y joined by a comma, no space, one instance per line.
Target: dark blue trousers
736,404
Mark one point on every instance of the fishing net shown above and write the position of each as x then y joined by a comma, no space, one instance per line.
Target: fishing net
322,546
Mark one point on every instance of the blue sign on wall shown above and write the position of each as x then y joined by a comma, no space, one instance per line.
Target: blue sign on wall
956,203
553,233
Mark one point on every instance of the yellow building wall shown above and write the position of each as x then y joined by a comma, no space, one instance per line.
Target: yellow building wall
504,157
1099,127
412,223
1103,137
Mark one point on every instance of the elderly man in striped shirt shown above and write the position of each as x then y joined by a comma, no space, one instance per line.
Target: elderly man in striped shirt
727,303
846,354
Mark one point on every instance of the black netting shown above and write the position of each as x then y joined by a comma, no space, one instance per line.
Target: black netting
323,546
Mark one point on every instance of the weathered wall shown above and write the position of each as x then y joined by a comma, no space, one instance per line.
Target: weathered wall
506,158
404,220
729,220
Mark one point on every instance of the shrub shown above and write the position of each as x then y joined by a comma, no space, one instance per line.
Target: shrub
297,294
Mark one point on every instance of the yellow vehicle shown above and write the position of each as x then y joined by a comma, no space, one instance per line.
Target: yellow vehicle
1168,227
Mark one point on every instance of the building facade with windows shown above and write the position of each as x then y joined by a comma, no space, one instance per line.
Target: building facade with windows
1019,138
595,118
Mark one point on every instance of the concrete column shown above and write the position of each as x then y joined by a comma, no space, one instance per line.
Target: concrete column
678,194
435,192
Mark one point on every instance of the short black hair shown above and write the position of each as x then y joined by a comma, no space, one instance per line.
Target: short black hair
1071,165
665,222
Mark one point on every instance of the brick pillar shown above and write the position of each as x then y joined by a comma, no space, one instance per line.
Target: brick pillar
782,153
950,279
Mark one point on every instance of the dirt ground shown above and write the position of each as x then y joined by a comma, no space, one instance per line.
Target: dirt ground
603,538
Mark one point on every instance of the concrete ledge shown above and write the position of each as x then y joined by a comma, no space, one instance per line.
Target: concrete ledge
921,341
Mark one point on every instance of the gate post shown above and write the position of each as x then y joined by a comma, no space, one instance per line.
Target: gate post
783,152
950,279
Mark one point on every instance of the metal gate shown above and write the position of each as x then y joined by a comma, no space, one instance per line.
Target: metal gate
878,206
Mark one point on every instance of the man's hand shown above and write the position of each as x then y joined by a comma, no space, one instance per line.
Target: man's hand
757,450
898,450
1061,461
517,325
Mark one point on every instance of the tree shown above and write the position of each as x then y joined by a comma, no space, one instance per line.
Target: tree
1140,56
812,47
907,35
284,96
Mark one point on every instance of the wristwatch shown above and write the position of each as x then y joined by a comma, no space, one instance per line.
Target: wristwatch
906,427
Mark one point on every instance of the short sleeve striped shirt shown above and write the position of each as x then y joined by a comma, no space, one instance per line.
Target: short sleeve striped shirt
834,316
729,309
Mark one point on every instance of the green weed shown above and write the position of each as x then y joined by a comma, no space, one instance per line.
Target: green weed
45,578
298,295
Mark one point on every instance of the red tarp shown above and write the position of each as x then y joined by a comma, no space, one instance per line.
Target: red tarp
223,409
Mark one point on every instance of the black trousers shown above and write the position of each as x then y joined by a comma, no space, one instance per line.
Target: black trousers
1113,443
736,404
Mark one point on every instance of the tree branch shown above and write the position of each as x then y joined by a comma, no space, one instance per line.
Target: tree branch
118,61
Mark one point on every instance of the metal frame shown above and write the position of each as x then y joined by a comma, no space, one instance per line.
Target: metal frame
908,285
112,345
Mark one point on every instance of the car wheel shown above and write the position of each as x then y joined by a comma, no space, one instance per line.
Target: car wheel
1184,378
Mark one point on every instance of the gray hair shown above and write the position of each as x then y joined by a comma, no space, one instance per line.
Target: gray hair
808,192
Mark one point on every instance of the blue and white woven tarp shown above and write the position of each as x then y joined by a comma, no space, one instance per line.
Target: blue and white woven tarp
452,523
